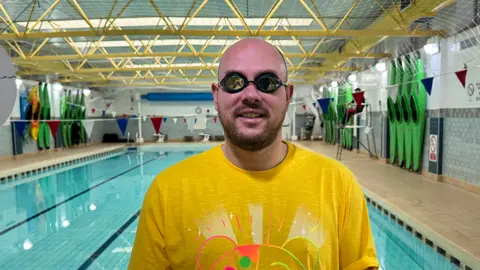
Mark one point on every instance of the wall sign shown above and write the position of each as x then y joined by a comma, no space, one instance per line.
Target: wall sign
433,150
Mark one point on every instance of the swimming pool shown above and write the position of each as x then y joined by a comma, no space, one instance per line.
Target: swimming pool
86,217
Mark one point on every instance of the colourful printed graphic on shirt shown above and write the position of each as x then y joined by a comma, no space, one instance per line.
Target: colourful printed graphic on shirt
252,240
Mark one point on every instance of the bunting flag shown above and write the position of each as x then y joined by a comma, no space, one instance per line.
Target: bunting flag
185,120
428,83
133,116
175,120
145,118
93,110
304,107
195,120
324,102
113,114
124,115
103,113
191,122
205,120
358,97
462,76
314,104
215,119
157,123
53,124
20,127
88,125
122,124
164,119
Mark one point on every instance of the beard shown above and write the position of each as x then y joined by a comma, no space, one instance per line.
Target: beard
250,142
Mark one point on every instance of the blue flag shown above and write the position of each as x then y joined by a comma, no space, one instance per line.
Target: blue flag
164,119
324,102
20,127
122,124
428,83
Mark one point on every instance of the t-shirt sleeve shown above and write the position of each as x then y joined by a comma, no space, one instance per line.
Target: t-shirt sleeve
149,246
357,250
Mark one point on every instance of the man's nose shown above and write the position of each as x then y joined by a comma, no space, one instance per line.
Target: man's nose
251,93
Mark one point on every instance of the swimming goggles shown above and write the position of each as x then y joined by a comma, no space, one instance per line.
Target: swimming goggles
236,82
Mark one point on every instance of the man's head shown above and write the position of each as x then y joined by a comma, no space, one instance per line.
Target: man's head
357,90
252,119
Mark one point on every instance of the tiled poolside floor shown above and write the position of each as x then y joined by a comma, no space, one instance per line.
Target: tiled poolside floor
9,166
447,210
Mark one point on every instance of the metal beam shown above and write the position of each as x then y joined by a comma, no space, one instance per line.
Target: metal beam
48,58
317,19
133,69
150,76
227,33
204,83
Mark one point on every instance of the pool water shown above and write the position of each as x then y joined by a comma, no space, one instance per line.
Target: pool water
86,218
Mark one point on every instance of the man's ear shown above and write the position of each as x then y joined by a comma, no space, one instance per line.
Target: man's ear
215,90
289,93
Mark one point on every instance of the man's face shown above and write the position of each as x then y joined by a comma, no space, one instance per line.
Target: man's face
252,119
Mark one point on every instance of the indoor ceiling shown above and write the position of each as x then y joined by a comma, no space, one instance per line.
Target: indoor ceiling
124,43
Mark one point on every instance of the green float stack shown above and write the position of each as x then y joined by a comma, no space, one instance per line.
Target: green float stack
44,128
67,112
418,103
407,112
392,115
399,114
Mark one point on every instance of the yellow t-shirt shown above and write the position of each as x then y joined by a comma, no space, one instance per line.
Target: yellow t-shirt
205,213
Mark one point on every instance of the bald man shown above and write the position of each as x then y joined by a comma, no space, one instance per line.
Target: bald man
255,201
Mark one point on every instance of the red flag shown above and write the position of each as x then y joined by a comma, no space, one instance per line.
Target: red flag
358,97
214,119
93,110
304,107
185,120
462,76
124,115
54,126
157,123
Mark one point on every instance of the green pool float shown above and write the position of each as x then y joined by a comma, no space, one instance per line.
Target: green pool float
392,123
407,113
399,114
418,104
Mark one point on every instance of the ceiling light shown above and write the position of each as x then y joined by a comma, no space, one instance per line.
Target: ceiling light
352,77
86,92
334,84
92,207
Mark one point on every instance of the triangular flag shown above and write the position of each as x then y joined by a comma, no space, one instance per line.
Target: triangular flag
88,125
175,120
314,104
205,120
184,120
462,76
304,107
164,119
215,119
324,102
20,127
103,113
93,110
73,106
157,123
53,124
122,124
113,114
358,97
145,118
191,122
333,99
428,83
124,115
133,116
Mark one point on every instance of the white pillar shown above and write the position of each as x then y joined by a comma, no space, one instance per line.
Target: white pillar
139,113
294,117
